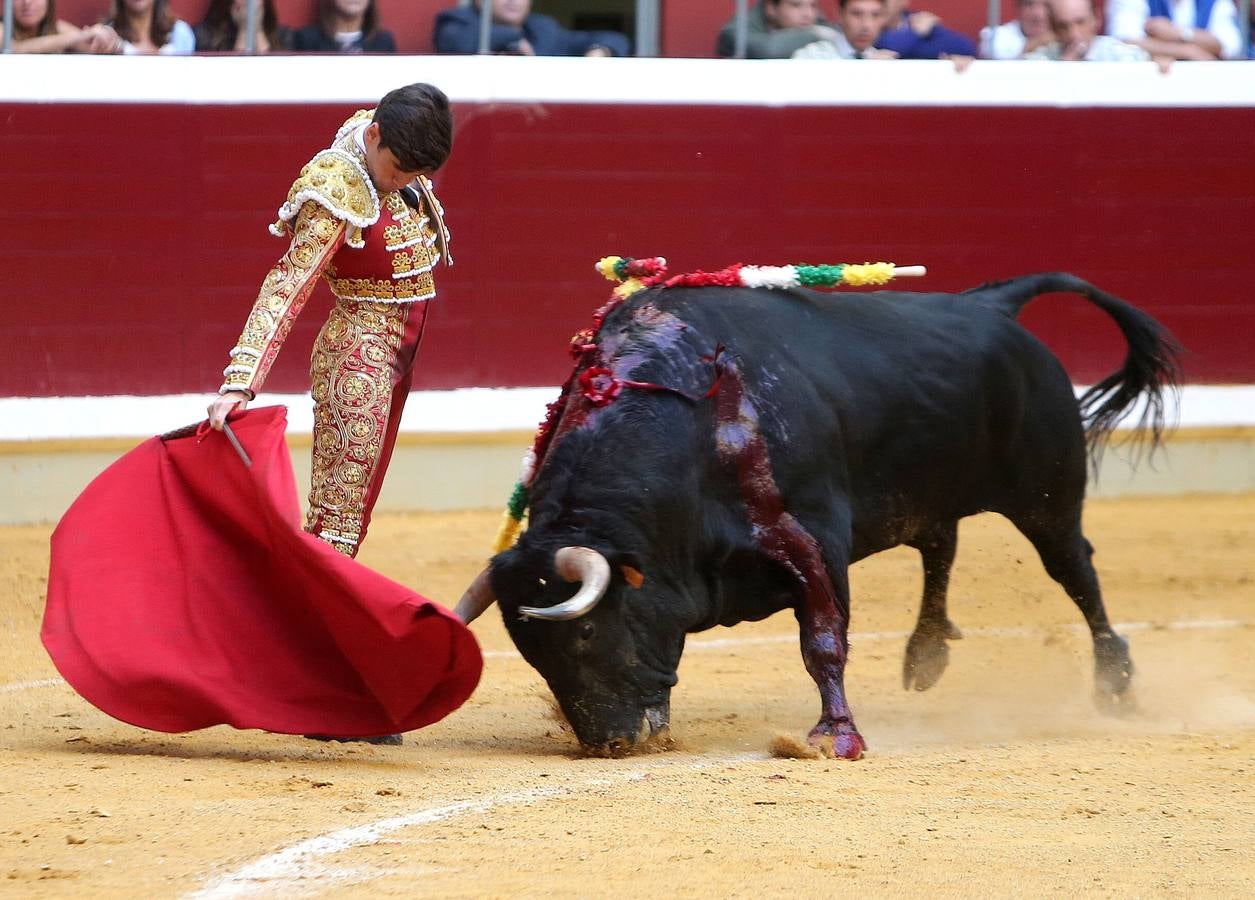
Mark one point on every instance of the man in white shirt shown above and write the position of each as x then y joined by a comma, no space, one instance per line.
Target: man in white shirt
1075,26
1029,30
1180,29
860,23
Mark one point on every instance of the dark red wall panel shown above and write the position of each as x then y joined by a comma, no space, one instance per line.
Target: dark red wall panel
136,234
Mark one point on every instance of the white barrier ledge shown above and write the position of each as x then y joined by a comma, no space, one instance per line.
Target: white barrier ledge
465,411
506,79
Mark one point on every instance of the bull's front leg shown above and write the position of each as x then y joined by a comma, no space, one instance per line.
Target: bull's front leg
824,609
823,617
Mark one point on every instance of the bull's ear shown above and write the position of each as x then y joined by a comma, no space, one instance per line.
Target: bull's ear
632,576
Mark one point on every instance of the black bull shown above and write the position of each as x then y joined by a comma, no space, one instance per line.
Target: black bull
762,441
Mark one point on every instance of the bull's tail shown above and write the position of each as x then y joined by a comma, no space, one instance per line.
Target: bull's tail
1151,367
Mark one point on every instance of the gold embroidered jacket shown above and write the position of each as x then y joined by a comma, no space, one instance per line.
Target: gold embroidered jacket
369,248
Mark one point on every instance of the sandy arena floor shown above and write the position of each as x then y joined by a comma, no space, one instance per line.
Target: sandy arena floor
1001,781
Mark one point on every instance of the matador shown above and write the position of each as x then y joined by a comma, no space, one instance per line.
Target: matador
363,215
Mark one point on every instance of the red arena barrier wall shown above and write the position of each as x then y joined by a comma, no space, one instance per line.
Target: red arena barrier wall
136,229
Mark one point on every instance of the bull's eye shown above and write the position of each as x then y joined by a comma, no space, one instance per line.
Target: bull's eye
587,631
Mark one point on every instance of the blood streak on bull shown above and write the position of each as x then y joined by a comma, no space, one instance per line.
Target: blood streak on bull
825,612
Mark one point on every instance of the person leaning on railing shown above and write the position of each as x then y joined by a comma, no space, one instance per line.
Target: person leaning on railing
148,26
920,34
1029,30
36,29
859,24
1074,24
519,31
225,28
345,26
776,29
1179,29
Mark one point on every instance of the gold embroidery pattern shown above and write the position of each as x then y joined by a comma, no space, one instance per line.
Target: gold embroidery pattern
351,124
283,294
396,205
351,373
412,237
420,287
408,232
338,181
411,262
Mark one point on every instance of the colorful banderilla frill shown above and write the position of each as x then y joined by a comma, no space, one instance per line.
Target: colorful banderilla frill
635,274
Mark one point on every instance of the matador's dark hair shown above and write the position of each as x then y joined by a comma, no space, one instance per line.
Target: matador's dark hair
416,124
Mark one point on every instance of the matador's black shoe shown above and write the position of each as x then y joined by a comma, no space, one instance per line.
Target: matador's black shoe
385,740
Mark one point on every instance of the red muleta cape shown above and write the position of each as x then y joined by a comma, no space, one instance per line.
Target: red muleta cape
183,594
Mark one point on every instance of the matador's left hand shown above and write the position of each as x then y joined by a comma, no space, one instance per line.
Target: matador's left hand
222,405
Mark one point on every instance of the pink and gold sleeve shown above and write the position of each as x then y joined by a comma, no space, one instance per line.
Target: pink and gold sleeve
316,236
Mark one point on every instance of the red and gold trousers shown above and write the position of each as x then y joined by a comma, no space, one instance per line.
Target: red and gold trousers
361,371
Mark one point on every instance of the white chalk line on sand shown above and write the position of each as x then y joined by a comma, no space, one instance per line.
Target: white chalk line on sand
28,685
855,638
284,870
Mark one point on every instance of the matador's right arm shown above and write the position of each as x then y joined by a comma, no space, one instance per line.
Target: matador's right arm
316,236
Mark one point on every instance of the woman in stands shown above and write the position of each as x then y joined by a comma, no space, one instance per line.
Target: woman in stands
345,26
225,28
148,26
36,29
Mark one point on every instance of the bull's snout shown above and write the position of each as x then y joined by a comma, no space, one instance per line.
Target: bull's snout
653,734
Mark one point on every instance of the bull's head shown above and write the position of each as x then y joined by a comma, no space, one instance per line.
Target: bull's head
598,636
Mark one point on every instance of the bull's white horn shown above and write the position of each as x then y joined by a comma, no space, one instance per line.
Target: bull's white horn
478,597
575,564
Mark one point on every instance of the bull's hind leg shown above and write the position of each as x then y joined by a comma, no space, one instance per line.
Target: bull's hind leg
926,652
1066,555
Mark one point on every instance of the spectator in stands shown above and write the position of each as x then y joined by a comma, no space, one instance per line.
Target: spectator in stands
148,26
36,29
1074,24
225,28
519,31
776,29
1250,51
859,23
1011,40
345,26
1179,29
920,35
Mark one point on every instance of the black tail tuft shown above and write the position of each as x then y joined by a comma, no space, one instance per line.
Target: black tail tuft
1151,367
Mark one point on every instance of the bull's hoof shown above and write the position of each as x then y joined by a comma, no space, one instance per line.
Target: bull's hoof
845,743
1122,705
1113,675
927,655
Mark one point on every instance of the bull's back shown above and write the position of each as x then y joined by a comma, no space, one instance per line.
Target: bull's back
910,407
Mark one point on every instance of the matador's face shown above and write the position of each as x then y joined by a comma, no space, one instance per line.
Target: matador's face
382,164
